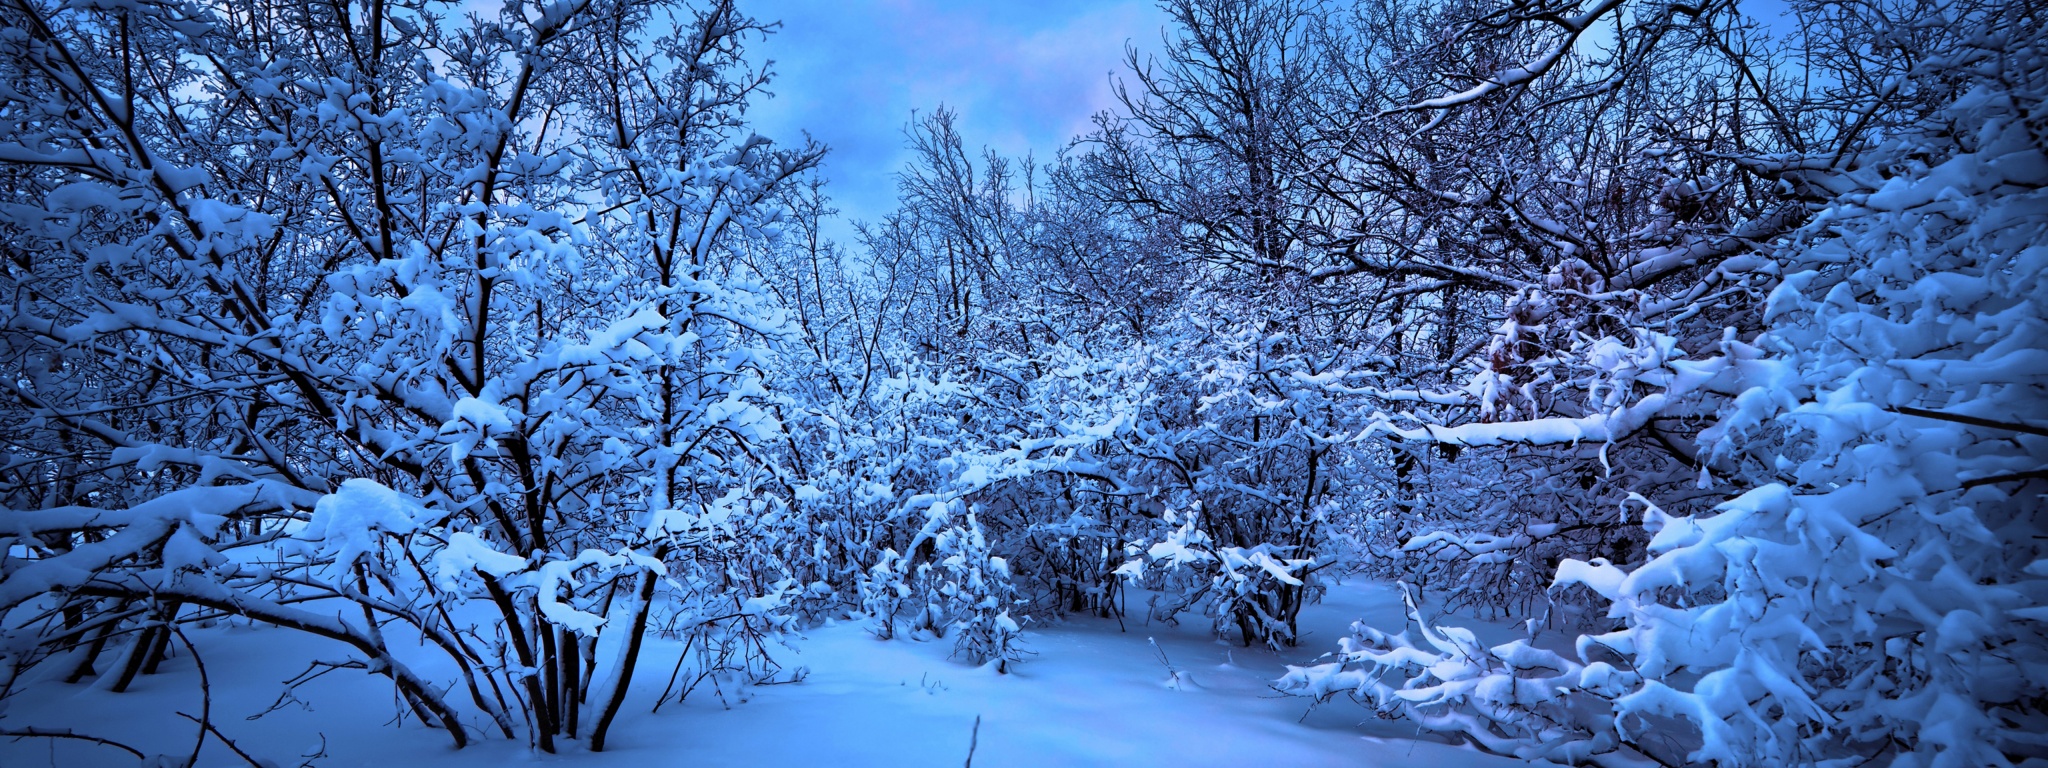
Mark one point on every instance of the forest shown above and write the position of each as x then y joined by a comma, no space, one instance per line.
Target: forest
1678,375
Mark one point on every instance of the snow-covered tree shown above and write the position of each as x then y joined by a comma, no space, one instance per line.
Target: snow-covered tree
379,308
1866,585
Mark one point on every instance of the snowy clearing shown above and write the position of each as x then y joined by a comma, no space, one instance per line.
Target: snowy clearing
1093,695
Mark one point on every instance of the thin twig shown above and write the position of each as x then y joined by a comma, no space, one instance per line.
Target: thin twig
973,741
2009,426
253,762
38,733
205,718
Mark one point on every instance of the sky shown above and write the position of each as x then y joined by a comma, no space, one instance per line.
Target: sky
1025,75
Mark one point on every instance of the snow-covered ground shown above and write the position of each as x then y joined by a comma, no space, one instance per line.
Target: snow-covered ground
1093,695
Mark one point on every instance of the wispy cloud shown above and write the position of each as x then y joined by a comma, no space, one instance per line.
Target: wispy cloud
1025,76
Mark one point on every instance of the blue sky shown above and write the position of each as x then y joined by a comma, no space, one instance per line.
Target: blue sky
1024,76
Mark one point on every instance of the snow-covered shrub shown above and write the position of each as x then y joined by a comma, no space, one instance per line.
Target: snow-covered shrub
1515,699
975,594
883,592
1528,491
1080,418
1236,423
1232,586
952,586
